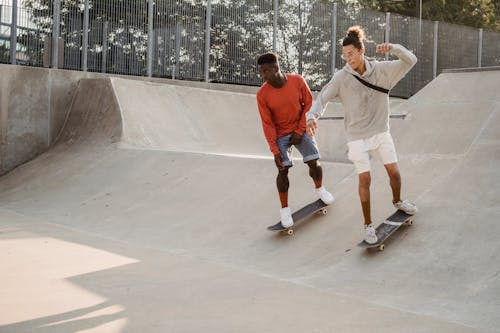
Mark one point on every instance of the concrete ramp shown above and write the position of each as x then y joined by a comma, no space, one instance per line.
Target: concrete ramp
141,218
95,117
173,118
146,115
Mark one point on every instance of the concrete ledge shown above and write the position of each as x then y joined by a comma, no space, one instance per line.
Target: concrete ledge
470,70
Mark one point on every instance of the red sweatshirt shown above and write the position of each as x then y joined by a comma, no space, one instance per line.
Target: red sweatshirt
283,110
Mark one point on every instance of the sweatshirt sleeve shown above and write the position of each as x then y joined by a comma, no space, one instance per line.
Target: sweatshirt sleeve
397,69
329,93
306,101
268,125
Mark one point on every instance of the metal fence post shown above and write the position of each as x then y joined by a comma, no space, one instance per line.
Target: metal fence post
13,34
85,42
435,50
150,38
387,35
275,23
104,46
208,27
480,48
334,37
177,49
55,33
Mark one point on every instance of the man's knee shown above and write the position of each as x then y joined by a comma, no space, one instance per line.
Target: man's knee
282,181
314,164
364,179
393,171
283,173
315,170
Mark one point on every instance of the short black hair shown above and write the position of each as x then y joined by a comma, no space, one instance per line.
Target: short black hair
268,58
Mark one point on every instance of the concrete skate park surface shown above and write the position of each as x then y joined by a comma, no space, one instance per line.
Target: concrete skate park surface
149,214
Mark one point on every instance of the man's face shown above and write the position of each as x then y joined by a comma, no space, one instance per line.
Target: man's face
269,72
353,56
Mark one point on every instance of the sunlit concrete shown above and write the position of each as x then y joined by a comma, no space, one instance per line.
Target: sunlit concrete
150,215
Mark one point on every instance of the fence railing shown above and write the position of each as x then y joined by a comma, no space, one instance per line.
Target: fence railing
219,40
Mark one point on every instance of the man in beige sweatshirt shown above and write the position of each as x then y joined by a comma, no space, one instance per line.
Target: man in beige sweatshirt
367,114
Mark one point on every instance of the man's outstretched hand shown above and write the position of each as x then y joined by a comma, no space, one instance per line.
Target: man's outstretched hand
311,127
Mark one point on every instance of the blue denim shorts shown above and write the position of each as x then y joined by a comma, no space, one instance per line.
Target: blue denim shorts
307,148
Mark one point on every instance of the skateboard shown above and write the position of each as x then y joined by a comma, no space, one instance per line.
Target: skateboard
317,206
387,228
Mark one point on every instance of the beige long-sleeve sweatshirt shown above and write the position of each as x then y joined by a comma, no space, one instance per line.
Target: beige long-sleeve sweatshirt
366,110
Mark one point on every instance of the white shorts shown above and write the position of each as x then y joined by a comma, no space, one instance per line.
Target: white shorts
380,146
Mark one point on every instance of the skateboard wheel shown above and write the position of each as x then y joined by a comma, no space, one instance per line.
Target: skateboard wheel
409,222
324,211
381,247
289,232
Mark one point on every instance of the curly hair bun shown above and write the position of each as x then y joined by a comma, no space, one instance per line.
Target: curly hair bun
356,32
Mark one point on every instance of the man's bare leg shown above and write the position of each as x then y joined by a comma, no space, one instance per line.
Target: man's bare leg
395,181
283,184
364,195
316,173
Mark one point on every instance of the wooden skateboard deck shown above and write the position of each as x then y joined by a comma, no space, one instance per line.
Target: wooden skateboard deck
387,228
300,215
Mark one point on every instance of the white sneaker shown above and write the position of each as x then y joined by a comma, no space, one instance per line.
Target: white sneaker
406,207
286,217
324,195
370,234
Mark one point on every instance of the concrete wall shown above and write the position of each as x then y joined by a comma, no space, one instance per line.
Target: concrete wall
34,103
24,96
33,106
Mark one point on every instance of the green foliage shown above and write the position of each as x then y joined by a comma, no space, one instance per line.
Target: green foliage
240,31
475,13
408,8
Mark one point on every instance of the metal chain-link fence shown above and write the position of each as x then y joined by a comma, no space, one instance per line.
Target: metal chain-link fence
220,40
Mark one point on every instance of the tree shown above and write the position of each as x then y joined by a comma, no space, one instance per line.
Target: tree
475,13
408,8
241,30
302,39
122,24
127,34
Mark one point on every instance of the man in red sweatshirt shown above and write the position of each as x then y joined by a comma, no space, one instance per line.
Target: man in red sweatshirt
283,101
